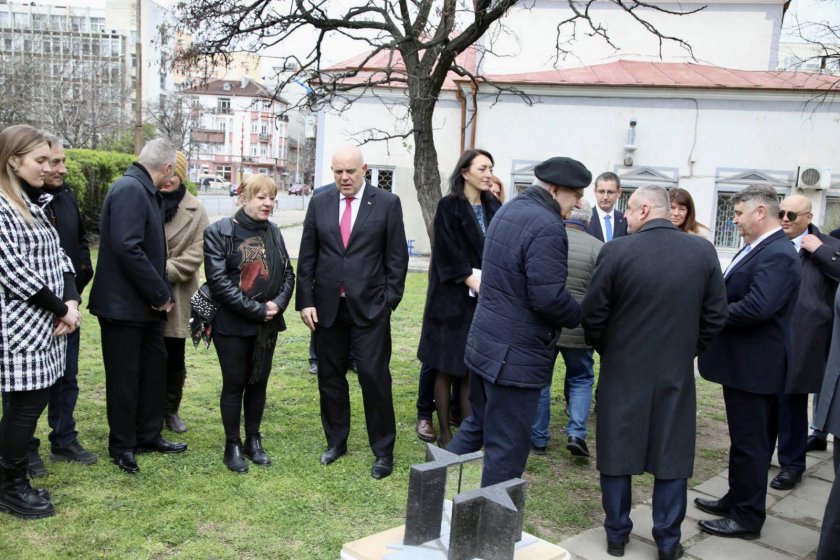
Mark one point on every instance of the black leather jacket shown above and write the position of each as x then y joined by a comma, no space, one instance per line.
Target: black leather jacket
218,245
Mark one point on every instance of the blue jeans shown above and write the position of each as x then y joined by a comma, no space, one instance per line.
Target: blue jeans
63,397
580,377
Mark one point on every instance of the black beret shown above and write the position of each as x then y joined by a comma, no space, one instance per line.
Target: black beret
563,172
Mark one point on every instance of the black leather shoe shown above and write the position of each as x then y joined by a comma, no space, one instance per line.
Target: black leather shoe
382,467
616,548
253,449
162,446
332,453
816,444
728,528
673,554
786,480
539,450
233,457
174,423
577,447
126,462
73,452
34,465
715,507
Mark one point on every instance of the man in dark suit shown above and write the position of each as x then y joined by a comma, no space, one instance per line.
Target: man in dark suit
750,358
827,418
812,321
607,223
647,406
130,296
351,274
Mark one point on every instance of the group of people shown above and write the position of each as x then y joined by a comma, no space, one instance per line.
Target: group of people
510,287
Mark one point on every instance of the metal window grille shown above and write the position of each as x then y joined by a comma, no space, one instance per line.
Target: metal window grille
832,214
726,232
382,178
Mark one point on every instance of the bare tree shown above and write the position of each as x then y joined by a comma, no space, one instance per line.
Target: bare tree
174,118
415,44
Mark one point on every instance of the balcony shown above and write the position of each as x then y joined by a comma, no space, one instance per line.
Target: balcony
221,111
206,136
265,137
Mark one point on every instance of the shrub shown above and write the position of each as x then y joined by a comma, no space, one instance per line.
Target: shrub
90,173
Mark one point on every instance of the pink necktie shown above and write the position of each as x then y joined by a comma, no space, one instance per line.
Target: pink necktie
346,221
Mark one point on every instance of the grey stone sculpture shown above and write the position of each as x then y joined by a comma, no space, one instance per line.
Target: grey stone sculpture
487,523
426,491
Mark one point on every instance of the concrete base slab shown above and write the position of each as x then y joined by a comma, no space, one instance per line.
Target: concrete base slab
809,512
824,472
642,517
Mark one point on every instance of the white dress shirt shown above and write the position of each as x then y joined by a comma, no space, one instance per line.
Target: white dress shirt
601,215
354,206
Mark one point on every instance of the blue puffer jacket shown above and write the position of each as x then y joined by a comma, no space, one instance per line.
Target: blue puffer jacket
523,302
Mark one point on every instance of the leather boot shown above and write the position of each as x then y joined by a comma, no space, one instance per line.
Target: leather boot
233,457
18,497
253,450
174,393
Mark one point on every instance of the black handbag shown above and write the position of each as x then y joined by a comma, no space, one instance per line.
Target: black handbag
204,309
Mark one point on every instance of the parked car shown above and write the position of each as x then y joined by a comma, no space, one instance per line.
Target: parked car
234,190
209,183
299,189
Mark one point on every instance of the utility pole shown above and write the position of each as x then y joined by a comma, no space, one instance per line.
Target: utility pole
138,86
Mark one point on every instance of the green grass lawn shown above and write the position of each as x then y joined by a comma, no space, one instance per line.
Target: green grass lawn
190,506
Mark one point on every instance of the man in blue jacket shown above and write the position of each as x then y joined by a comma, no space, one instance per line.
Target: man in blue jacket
523,286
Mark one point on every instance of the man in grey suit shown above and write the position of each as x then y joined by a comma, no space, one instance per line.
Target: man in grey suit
655,301
351,275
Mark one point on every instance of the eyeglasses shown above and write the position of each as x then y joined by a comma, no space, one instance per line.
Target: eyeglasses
791,215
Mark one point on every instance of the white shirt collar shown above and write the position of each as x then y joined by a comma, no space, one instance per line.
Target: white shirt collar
601,213
357,196
797,241
755,243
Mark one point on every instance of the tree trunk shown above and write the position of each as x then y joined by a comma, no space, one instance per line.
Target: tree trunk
427,180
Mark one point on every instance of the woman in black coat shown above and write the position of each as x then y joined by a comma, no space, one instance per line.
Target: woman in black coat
250,274
460,225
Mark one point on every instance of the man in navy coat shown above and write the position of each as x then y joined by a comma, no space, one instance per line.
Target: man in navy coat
607,223
750,358
523,286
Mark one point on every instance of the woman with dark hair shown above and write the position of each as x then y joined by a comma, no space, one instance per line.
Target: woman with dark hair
460,225
683,215
250,275
185,222
38,305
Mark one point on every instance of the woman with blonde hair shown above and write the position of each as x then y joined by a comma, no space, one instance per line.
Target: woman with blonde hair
184,223
39,304
250,275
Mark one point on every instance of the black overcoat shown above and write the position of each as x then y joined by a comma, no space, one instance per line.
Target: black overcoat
813,315
458,245
656,299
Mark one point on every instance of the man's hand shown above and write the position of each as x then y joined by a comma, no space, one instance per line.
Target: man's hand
811,243
309,317
166,307
271,310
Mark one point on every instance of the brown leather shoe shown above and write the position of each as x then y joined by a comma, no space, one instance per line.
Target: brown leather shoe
426,430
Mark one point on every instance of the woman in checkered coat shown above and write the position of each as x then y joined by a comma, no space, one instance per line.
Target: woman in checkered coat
38,306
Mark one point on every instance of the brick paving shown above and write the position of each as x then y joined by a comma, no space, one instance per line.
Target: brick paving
792,529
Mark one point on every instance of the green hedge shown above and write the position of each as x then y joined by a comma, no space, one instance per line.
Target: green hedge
90,173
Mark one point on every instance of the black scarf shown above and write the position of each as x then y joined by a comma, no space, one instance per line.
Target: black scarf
171,200
276,263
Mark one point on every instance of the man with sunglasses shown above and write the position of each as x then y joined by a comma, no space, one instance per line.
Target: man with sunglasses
812,322
750,358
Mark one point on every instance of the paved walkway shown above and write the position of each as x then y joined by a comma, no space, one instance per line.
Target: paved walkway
791,531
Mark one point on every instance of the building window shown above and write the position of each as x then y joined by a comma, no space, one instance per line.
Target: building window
254,150
254,126
832,214
726,232
263,171
381,177
263,150
223,105
224,171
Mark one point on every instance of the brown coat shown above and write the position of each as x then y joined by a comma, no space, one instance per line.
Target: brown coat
185,253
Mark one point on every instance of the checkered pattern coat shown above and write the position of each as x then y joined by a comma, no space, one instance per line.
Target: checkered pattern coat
31,358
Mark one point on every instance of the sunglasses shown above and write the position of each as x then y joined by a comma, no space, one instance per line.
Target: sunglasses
791,215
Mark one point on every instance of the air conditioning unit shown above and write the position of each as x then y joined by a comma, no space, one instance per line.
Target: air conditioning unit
813,177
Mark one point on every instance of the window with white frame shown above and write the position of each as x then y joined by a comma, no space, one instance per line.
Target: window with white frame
382,177
832,214
725,232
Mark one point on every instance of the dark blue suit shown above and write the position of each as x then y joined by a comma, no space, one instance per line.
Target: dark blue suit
619,227
750,359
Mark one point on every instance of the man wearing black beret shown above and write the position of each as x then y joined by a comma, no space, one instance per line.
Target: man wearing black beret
523,286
